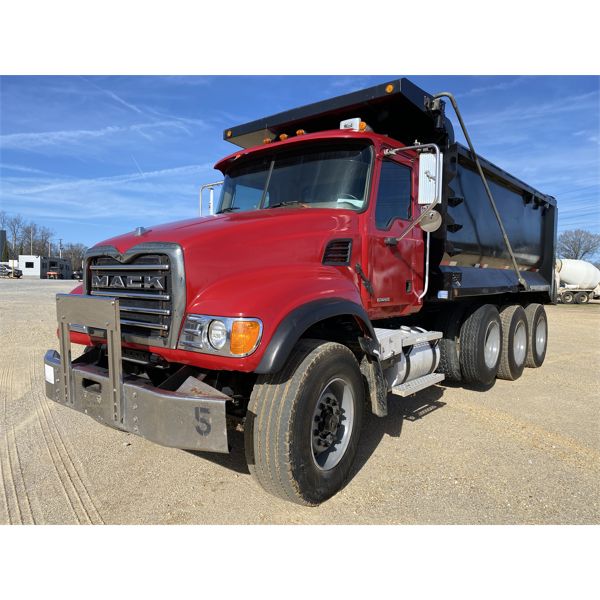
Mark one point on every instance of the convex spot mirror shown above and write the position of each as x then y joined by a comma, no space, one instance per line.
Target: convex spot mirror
431,222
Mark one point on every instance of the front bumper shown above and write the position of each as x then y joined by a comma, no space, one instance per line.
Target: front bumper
132,404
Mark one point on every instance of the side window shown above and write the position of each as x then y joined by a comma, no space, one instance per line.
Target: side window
393,195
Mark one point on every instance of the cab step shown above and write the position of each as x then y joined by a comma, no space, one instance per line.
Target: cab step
416,385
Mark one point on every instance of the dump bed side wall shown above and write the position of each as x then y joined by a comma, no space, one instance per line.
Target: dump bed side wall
474,246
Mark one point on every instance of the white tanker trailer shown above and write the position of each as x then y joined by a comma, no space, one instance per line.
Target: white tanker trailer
579,281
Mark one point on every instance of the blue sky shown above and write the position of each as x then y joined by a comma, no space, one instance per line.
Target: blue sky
91,157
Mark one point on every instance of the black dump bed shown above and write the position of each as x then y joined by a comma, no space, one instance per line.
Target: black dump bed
468,255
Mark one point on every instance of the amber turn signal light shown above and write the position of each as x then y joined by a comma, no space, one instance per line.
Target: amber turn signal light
244,337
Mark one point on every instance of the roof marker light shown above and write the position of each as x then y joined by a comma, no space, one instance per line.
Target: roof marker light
300,132
389,88
267,141
283,137
353,124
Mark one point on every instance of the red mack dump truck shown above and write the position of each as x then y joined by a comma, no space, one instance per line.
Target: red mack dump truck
358,253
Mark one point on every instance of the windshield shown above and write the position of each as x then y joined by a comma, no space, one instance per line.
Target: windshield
317,178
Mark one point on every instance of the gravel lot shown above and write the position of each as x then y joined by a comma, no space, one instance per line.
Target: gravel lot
523,452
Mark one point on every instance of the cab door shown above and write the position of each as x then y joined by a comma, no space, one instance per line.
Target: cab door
395,269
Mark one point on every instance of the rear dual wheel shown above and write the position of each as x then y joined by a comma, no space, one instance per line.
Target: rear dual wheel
537,323
481,345
515,342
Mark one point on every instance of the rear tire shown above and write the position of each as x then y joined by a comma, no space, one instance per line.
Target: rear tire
537,322
481,345
300,418
581,298
567,297
449,324
515,342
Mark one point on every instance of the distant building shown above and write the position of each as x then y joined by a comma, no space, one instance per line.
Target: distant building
39,266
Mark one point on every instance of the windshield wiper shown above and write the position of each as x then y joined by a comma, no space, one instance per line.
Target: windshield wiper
228,209
286,203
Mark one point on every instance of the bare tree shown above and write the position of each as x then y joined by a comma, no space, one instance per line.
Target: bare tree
28,236
578,244
3,219
74,253
40,246
15,226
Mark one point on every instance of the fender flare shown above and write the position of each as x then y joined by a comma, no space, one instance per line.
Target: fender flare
298,321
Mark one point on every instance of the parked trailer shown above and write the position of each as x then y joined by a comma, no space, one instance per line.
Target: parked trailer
579,281
357,251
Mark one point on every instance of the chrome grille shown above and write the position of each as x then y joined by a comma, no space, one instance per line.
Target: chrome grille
144,287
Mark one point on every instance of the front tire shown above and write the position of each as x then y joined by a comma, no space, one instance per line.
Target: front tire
303,423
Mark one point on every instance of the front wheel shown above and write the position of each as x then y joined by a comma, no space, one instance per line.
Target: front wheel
303,423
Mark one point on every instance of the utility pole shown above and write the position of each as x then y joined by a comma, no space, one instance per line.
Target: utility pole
60,247
49,248
31,239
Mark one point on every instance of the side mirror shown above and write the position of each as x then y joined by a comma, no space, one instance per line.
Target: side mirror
211,196
430,178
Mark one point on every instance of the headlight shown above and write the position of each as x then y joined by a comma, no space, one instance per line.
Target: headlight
224,336
217,334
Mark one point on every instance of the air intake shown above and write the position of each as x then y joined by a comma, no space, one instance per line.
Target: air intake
338,252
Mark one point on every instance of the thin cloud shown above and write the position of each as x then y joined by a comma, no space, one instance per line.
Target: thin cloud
22,169
115,180
495,87
115,97
580,102
32,141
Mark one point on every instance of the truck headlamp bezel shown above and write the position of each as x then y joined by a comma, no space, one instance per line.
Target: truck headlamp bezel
195,336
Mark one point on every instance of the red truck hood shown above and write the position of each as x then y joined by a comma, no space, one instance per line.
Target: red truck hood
238,263
285,229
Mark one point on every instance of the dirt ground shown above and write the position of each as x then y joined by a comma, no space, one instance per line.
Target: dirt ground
522,452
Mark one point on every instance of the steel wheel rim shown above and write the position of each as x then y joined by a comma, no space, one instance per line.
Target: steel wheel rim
332,423
540,336
491,348
520,343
